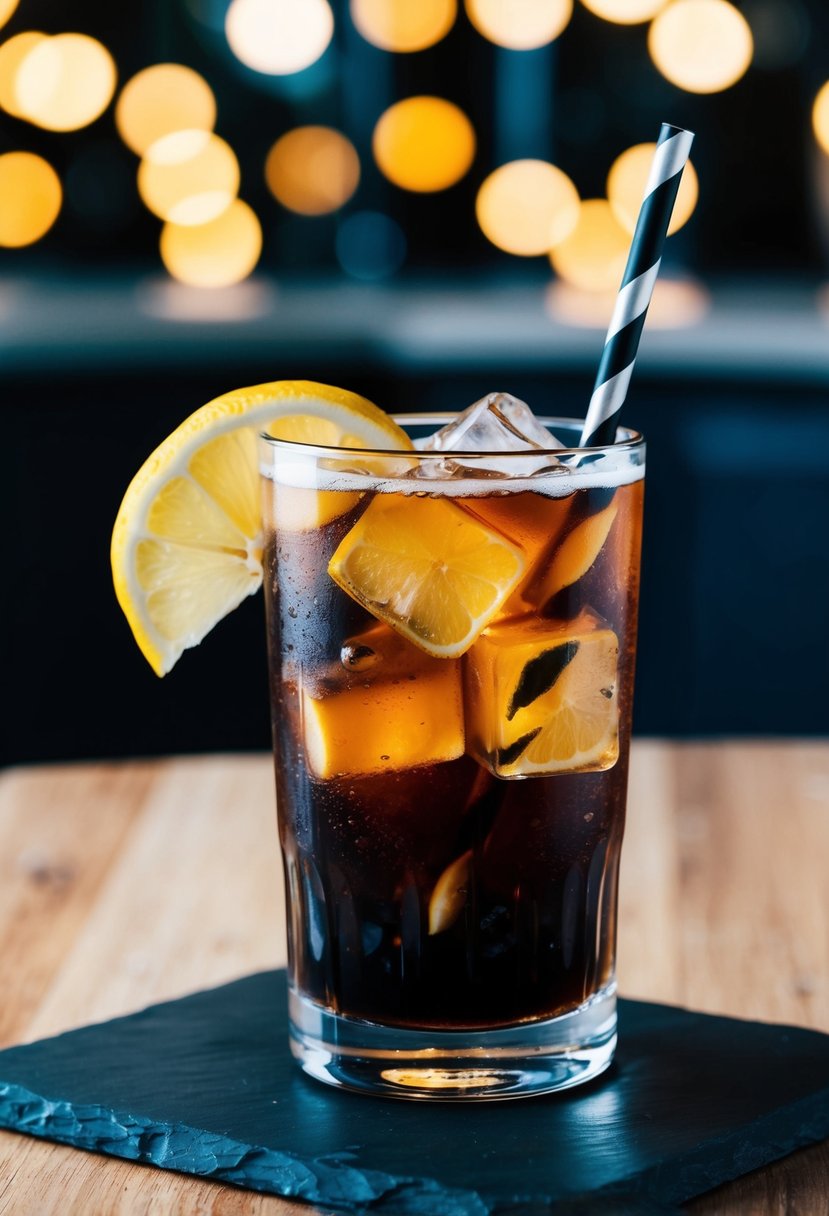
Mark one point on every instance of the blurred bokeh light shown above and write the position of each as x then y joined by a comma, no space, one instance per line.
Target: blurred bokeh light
519,25
66,82
30,198
278,37
370,246
593,256
625,12
7,7
404,25
12,55
675,304
626,187
702,46
820,117
161,99
189,177
424,144
312,170
217,254
527,206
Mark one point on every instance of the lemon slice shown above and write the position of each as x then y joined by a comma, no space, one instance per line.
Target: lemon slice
581,731
449,896
577,552
430,569
541,696
187,542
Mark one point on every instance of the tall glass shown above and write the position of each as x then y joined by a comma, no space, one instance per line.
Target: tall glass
451,788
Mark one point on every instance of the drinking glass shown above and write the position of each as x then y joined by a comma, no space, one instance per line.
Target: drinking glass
451,648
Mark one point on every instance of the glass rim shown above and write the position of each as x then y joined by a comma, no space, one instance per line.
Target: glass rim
633,441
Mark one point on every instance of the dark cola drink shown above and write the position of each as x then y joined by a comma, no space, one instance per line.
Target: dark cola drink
451,678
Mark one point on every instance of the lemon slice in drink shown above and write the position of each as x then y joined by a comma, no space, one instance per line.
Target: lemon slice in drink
577,553
187,542
433,571
575,726
541,696
449,895
580,733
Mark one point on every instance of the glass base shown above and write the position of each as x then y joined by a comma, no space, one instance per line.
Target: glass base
506,1062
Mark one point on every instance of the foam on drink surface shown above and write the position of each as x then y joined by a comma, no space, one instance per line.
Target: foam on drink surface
302,472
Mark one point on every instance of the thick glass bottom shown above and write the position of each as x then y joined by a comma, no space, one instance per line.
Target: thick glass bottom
506,1062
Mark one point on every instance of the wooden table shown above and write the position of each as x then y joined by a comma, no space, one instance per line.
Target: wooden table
126,884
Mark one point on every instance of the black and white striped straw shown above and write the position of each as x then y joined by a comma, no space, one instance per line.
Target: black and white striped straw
622,341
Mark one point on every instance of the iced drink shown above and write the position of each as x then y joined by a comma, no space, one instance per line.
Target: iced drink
452,637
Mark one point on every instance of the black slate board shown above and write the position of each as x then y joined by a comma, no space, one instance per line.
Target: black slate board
206,1085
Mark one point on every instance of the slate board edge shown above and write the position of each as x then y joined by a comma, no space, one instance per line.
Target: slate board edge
332,1181
339,1184
782,1131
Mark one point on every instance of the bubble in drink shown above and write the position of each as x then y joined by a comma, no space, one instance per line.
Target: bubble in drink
356,656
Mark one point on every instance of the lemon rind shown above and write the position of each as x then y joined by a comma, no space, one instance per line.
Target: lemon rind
230,411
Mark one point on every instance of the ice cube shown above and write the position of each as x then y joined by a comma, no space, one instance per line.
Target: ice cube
497,423
403,710
540,697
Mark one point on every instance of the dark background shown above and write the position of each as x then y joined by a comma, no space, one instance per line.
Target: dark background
735,596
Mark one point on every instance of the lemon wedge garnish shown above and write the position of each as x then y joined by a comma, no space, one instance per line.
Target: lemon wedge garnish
187,541
433,571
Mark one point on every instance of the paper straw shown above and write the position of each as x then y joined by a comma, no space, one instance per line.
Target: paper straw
622,341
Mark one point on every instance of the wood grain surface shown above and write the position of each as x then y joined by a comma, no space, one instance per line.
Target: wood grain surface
126,884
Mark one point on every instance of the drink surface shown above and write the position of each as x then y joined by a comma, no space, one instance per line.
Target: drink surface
451,810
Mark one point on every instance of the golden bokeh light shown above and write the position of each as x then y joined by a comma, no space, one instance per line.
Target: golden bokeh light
161,99
312,170
7,7
702,46
279,37
424,144
189,177
626,188
12,55
527,206
593,256
820,117
519,25
217,254
30,198
66,82
625,12
404,25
